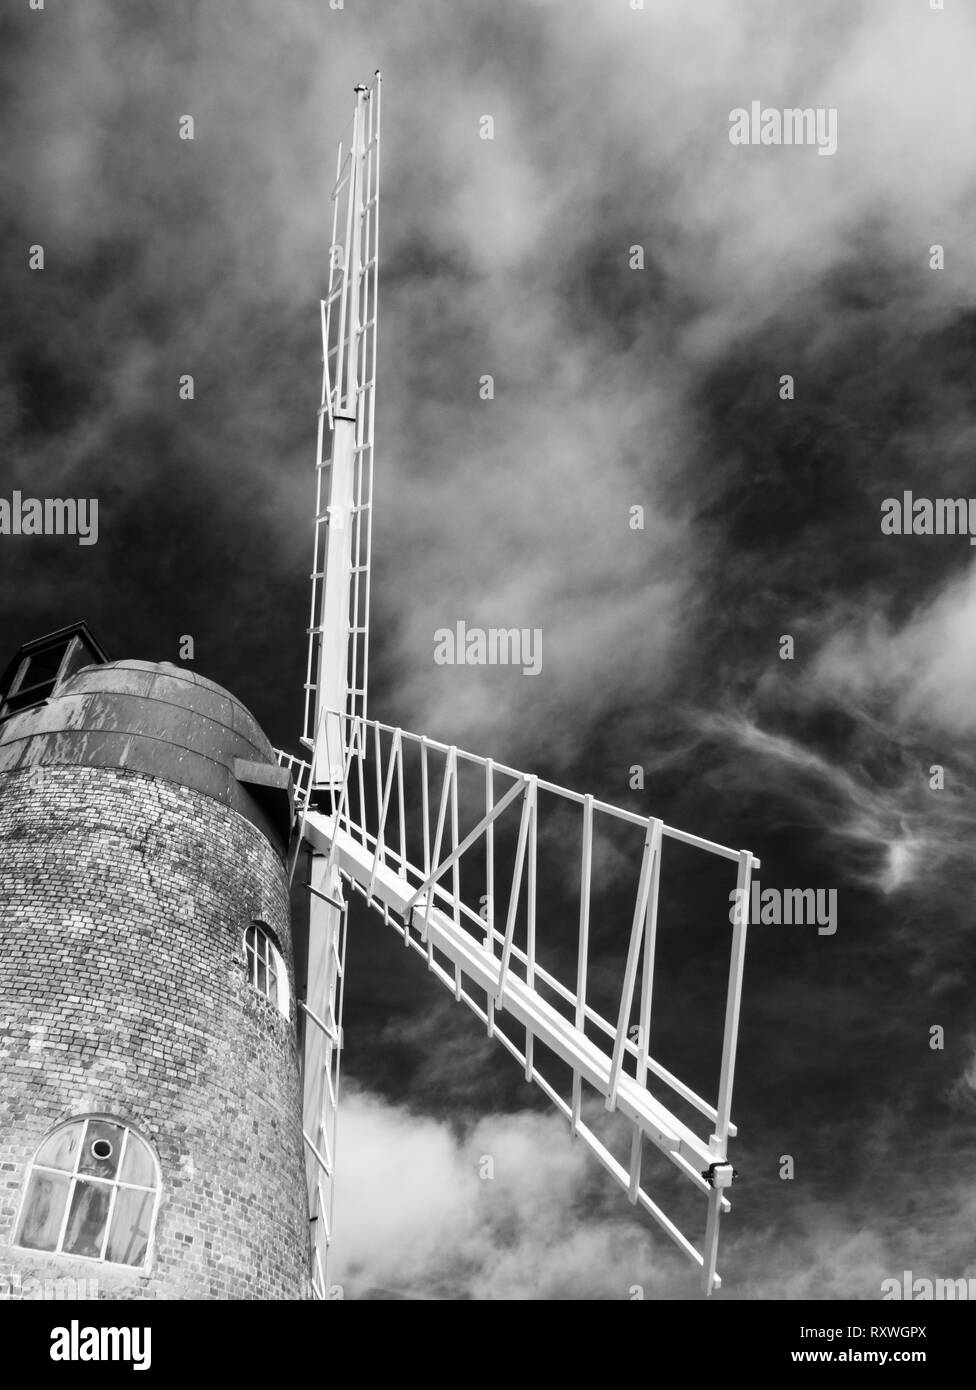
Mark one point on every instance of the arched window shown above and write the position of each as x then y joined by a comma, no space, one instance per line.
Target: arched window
91,1192
266,966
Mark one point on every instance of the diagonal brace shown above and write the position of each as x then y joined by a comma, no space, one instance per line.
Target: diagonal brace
467,842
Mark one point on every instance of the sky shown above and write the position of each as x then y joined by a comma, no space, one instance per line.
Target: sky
614,387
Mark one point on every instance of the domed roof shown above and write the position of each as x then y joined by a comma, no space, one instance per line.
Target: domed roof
165,684
161,720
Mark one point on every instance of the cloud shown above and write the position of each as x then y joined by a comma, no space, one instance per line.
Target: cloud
415,1219
897,830
418,1219
925,664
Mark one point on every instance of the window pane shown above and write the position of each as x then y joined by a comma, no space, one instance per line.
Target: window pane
86,1223
79,655
59,1149
43,1211
262,977
138,1166
251,965
103,1144
130,1227
43,666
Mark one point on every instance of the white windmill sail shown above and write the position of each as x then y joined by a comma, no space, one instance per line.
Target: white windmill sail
338,647
337,669
461,884
393,832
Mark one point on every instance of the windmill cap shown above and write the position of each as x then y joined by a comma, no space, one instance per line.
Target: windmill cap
163,721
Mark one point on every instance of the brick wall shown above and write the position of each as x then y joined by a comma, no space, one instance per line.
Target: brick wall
123,991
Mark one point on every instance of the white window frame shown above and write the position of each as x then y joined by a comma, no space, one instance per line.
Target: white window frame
115,1183
265,952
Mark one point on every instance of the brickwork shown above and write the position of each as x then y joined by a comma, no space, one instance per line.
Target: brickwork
124,900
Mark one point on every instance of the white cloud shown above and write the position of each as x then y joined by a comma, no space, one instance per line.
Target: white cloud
926,664
414,1216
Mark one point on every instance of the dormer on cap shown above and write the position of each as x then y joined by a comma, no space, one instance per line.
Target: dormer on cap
41,667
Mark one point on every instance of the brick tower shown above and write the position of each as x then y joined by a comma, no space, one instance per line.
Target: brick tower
150,1099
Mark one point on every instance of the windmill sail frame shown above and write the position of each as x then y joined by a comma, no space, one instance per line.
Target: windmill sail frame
337,671
361,832
352,805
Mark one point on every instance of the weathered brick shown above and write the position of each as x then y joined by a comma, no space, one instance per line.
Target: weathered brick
117,997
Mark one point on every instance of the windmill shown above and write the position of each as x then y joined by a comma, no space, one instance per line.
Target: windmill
381,811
